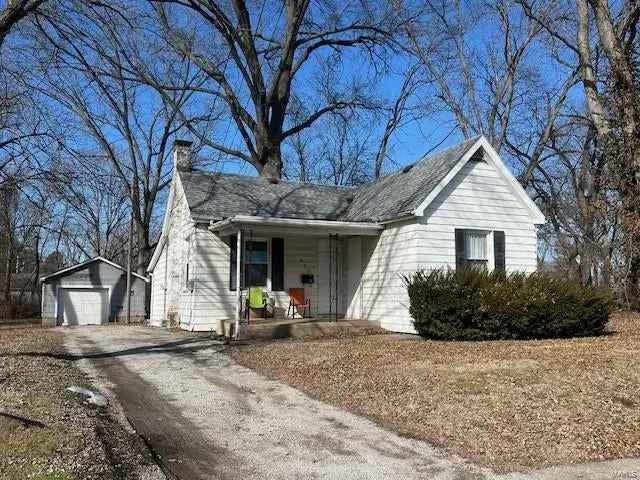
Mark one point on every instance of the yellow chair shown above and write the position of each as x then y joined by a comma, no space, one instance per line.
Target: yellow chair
256,301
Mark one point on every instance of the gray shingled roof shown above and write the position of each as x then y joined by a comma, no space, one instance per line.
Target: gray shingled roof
214,196
400,193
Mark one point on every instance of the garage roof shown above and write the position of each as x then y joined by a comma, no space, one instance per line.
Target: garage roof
79,266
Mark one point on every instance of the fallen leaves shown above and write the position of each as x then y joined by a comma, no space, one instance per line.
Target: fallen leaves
506,404
75,440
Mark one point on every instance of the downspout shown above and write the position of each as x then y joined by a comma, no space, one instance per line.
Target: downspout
238,286
166,266
42,300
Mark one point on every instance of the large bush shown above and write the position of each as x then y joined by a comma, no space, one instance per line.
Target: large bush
476,305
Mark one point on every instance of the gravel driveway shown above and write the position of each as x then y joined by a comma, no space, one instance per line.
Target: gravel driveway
206,417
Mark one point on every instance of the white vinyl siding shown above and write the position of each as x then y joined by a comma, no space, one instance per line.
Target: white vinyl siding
211,299
386,259
169,293
300,257
157,315
477,198
352,274
209,264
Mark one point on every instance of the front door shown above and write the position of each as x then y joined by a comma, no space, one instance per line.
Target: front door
329,269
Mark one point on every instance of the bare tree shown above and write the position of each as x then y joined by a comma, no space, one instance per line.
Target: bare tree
346,153
397,113
480,81
97,50
9,195
22,234
13,12
99,204
265,55
607,65
21,120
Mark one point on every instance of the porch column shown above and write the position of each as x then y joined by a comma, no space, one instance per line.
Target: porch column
238,286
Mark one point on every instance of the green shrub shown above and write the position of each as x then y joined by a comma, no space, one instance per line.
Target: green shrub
476,305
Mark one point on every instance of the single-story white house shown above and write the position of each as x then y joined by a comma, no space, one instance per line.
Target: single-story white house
347,247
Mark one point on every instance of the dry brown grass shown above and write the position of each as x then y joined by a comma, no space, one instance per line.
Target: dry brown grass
508,405
47,432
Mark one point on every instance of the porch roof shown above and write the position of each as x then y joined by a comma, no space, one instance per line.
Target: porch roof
293,226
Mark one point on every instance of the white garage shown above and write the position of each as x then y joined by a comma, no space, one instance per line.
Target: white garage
83,306
92,293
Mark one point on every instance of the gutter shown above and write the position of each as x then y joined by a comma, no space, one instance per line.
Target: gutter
215,226
399,218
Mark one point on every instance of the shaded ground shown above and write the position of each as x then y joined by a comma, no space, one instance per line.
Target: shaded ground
48,433
508,405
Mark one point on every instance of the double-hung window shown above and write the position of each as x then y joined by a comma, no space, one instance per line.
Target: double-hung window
480,249
256,263
475,249
261,263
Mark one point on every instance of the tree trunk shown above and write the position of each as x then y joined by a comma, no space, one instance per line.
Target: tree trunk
143,249
8,274
271,161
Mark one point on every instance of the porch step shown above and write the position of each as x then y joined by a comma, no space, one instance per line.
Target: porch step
281,321
309,328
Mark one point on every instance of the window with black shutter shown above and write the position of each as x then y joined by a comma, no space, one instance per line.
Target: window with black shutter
277,264
499,251
471,249
256,263
233,245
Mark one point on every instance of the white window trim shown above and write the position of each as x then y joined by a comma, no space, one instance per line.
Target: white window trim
81,287
267,240
491,261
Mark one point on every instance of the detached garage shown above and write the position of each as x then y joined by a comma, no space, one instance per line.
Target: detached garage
91,293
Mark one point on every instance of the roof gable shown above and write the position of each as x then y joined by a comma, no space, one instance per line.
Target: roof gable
81,265
400,193
492,158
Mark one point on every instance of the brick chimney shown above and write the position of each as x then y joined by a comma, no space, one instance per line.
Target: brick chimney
182,155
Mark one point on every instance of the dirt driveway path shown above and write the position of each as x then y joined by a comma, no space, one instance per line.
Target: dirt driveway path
206,417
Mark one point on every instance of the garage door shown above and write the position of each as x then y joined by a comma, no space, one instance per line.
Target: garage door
84,306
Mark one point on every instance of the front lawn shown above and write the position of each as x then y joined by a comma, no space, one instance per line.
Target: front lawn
506,404
47,432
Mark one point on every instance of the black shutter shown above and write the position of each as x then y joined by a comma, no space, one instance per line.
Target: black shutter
277,264
498,251
233,246
460,253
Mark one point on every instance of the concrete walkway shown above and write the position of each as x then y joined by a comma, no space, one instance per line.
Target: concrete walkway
206,417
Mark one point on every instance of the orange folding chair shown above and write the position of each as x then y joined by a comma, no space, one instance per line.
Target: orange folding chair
297,302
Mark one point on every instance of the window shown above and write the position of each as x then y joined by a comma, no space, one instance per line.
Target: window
256,263
475,245
261,266
471,249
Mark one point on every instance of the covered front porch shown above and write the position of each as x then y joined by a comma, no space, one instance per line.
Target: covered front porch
304,270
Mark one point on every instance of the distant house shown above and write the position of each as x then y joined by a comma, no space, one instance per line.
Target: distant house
91,293
346,247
